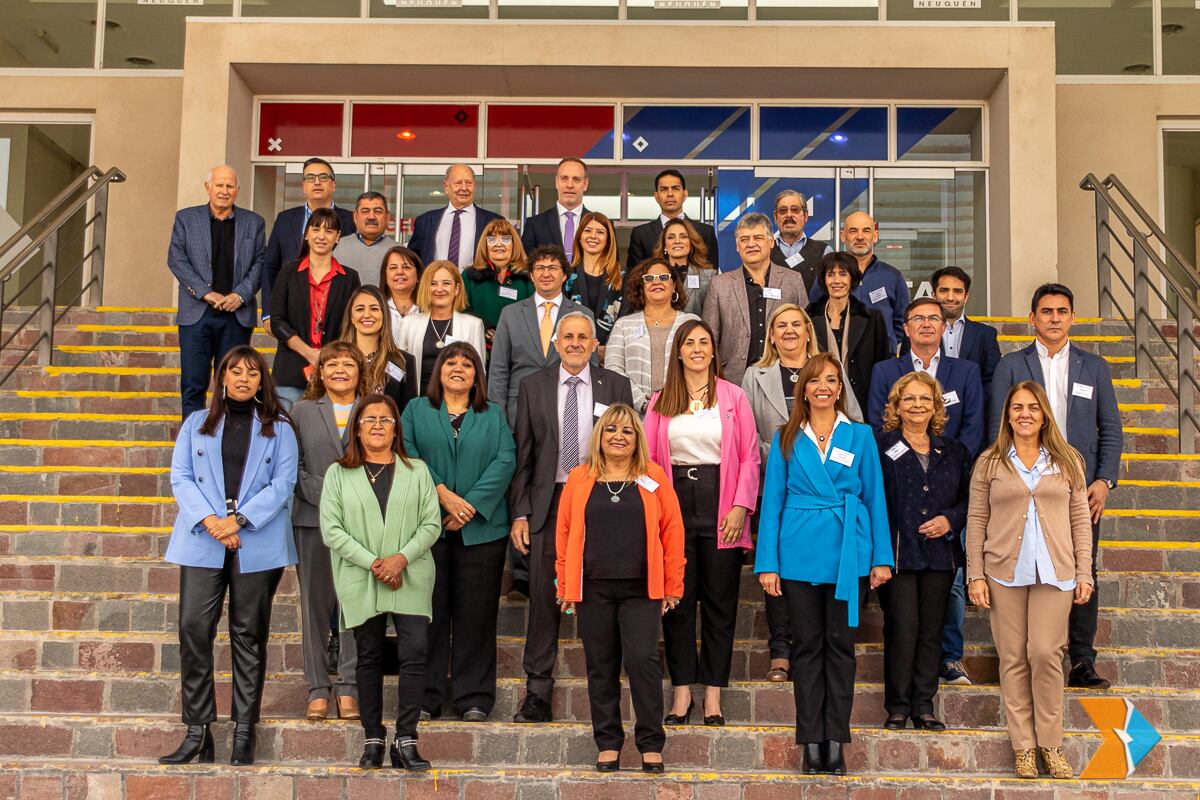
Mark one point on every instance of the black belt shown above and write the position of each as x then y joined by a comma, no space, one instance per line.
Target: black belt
689,470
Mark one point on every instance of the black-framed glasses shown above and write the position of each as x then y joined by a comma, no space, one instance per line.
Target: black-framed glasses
651,278
313,177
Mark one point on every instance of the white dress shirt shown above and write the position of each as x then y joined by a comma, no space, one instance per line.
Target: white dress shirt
931,369
1034,565
952,338
808,431
663,219
1054,373
586,420
465,256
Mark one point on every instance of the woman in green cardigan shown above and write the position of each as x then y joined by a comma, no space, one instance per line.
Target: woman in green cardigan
380,520
466,443
500,276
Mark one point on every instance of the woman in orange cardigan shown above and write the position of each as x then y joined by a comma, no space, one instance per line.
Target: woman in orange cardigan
621,579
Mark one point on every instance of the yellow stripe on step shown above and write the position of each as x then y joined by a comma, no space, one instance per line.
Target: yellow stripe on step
75,416
82,529
34,394
1155,407
1153,431
130,348
1120,359
103,470
1127,383
84,498
1186,513
99,328
1150,545
1156,484
1160,456
139,309
82,443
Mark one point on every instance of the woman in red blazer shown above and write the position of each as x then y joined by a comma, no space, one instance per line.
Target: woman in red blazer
621,579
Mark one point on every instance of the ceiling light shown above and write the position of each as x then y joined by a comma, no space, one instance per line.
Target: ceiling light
406,135
140,61
840,138
109,25
1138,69
1172,29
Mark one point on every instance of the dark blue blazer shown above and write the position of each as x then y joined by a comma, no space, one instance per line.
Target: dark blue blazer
287,234
543,228
978,344
425,230
189,258
1093,423
915,496
964,419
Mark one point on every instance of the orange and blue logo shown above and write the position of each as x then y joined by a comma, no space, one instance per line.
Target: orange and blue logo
1128,737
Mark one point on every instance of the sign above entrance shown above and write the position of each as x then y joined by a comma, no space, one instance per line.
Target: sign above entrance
300,129
534,131
415,130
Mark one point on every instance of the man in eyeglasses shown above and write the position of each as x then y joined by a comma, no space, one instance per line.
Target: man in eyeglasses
287,232
451,233
363,251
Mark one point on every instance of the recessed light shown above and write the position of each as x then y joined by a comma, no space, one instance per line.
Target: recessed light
839,137
1172,29
406,135
109,25
140,61
1138,69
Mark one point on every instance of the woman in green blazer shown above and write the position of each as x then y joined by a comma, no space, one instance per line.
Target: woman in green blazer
380,517
466,443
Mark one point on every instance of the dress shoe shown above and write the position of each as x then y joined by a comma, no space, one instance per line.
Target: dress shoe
714,720
404,755
1026,763
835,763
243,744
534,709
655,767
197,744
520,587
372,757
347,707
895,722
778,675
318,710
813,760
928,722
1083,676
680,719
611,765
1056,764
474,714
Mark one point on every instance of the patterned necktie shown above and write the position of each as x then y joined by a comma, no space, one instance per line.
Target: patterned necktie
455,236
546,329
569,235
568,458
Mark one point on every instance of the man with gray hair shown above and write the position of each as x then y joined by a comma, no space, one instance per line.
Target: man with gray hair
556,409
793,249
452,233
740,302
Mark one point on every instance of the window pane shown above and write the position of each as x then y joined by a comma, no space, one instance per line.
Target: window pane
1181,37
741,191
38,34
469,9
1097,39
300,129
686,132
687,9
151,36
558,9
1181,192
640,192
831,133
939,134
818,9
414,130
301,8
949,10
529,131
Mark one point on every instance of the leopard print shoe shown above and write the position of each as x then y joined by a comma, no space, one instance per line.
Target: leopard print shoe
1056,763
1027,764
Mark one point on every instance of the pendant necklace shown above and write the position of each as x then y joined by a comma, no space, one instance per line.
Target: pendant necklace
615,496
374,477
441,335
698,404
793,374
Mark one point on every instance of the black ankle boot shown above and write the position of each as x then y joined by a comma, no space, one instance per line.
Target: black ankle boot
813,760
404,755
372,757
197,744
835,763
243,744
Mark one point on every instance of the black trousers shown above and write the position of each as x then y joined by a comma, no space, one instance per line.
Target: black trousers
822,660
412,638
779,639
712,578
1081,630
202,345
619,624
914,613
541,633
462,637
201,594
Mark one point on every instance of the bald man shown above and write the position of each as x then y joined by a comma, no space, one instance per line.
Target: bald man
452,233
216,255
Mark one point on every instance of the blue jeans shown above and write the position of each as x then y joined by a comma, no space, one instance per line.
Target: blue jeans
952,631
202,345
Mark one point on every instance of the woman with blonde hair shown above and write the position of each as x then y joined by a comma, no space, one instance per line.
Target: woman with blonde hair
500,276
595,280
621,578
925,477
1029,557
386,368
442,321
685,250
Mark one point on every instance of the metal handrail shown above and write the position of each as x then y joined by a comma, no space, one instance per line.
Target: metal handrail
88,192
1174,290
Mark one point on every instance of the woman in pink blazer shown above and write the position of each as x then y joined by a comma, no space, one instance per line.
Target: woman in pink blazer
701,431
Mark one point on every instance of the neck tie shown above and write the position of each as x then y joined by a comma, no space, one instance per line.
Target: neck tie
547,327
569,235
455,237
568,457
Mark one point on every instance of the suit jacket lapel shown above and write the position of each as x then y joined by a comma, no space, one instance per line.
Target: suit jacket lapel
531,321
1034,364
206,217
967,343
774,281
216,463
743,300
772,389
254,457
550,407
325,408
857,326
1074,368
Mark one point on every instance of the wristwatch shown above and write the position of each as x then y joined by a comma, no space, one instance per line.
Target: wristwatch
1109,484
241,520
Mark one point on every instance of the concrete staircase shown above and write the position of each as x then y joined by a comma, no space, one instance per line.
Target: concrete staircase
89,688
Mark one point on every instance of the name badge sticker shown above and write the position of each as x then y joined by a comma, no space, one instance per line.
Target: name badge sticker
639,332
843,457
598,409
395,372
770,293
895,451
451,339
1082,390
693,281
508,293
647,483
708,413
950,398
879,295
794,259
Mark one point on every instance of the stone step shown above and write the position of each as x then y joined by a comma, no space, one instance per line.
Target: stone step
46,401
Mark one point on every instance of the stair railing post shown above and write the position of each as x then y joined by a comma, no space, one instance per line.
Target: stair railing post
1103,255
49,283
1188,397
100,245
1141,310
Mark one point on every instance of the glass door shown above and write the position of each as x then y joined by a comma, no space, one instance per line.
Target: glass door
741,191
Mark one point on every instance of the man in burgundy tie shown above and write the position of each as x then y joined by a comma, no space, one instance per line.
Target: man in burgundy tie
557,225
452,231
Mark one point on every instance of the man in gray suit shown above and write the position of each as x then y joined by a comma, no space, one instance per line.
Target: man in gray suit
216,254
556,409
740,302
1084,405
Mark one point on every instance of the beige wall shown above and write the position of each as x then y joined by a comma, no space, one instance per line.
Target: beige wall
136,128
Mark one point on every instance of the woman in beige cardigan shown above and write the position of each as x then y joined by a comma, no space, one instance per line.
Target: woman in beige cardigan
1029,556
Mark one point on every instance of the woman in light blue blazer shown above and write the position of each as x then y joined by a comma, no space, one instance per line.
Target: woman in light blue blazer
233,473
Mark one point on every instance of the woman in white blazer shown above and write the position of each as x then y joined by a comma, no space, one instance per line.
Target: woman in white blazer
441,298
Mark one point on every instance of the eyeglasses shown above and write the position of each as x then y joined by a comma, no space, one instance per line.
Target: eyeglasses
313,177
648,278
371,422
909,399
494,240
920,319
547,268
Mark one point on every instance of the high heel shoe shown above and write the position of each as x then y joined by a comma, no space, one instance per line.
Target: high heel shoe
712,720
608,766
372,757
835,762
812,759
243,744
676,719
197,744
655,767
405,755
928,722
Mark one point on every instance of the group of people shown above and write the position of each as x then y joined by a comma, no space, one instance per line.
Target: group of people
630,437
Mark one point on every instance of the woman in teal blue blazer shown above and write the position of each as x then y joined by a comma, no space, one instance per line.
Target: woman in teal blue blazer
822,539
468,447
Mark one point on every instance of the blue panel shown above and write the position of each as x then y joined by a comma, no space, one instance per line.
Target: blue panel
676,132
914,124
735,186
603,148
832,133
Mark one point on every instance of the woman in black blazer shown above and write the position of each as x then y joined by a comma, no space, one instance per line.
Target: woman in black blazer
317,281
926,478
845,326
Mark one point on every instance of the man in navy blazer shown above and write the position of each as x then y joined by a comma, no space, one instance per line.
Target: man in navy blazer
670,192
287,234
557,225
216,255
1084,403
435,237
962,391
965,338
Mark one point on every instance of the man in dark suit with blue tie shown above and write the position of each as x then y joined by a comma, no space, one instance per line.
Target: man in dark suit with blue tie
452,233
557,225
216,255
287,234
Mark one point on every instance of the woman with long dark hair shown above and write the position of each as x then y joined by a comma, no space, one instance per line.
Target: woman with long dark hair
387,369
685,250
233,473
596,279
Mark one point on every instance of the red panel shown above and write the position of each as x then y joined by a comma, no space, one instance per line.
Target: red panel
410,129
300,129
548,131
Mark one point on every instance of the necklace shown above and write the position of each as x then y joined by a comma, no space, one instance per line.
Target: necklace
441,335
659,322
615,496
374,476
698,401
793,374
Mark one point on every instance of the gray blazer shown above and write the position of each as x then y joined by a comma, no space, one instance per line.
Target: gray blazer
727,312
1093,423
320,446
517,350
189,257
767,401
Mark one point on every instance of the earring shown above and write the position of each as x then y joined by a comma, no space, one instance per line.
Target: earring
674,297
224,392
258,396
